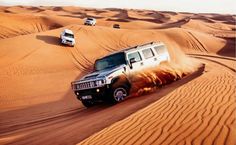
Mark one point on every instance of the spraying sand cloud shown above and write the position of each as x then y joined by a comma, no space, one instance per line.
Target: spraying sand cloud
166,73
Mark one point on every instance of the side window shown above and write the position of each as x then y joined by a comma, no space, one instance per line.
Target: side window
135,55
147,53
160,49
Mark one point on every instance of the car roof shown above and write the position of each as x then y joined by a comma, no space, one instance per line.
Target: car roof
68,31
136,48
142,46
91,18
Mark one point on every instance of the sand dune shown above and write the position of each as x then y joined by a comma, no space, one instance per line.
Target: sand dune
190,114
23,62
194,103
14,25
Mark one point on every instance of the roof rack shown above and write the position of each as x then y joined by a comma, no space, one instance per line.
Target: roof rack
137,46
130,48
145,44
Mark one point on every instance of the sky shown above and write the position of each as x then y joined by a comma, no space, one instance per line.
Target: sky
197,6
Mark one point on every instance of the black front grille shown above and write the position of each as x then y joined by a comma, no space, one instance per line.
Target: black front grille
85,85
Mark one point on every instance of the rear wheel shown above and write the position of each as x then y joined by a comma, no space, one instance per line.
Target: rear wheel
88,103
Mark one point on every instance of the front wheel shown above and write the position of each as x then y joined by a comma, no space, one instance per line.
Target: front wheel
88,104
118,94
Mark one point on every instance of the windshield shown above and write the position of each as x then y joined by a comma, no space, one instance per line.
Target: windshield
69,35
110,61
91,19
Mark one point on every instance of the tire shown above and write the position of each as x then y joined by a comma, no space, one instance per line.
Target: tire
118,94
88,104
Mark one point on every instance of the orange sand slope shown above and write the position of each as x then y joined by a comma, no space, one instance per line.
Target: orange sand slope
37,104
199,112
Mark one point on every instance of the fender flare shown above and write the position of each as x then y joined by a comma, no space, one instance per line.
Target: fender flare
122,79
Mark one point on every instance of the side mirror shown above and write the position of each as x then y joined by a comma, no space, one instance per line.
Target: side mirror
131,61
94,66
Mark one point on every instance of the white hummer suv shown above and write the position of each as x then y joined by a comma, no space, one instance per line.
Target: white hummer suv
90,21
67,37
111,77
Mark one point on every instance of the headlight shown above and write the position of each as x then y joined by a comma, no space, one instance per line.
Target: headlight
99,82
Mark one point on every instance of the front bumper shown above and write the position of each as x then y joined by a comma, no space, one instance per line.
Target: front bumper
67,42
95,94
88,23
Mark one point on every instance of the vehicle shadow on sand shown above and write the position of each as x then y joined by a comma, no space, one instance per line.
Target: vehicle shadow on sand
49,39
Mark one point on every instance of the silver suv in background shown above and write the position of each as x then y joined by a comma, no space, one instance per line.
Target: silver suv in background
90,21
117,26
67,37
110,80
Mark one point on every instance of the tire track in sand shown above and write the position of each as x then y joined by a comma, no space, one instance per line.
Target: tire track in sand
212,59
195,43
80,61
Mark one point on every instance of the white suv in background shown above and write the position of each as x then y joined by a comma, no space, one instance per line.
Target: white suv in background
90,21
67,37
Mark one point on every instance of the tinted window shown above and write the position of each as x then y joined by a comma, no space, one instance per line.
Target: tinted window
134,55
110,61
69,35
160,49
147,53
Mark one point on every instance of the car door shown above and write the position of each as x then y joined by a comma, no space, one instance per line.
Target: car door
149,58
138,62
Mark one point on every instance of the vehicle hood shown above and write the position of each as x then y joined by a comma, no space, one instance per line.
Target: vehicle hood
103,73
90,21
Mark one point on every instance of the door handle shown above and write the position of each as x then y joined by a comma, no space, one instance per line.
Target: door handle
141,63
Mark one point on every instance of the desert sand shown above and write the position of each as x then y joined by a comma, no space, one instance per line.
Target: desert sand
194,105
